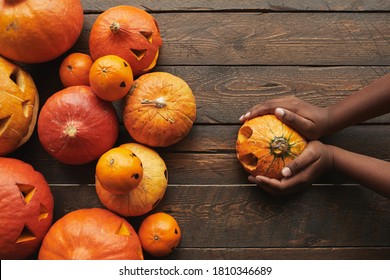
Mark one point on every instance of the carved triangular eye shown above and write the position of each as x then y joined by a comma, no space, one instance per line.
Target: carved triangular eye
43,212
4,122
27,192
25,235
147,35
139,54
123,230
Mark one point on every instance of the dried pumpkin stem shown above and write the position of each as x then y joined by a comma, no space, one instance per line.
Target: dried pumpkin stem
279,146
159,102
115,26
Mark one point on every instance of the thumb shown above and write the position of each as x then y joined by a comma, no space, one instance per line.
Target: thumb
293,120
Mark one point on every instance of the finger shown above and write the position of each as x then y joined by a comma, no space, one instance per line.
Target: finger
307,158
293,120
258,110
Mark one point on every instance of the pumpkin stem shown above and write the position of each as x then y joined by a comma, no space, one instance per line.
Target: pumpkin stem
159,102
279,146
115,26
70,130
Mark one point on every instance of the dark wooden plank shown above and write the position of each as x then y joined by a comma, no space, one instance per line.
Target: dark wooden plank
269,38
245,217
218,5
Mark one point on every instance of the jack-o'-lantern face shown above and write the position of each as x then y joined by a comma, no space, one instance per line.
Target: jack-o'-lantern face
26,209
18,106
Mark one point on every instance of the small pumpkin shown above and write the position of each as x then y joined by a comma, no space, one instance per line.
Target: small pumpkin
110,77
74,69
26,209
147,194
159,234
160,109
35,31
265,145
19,103
77,127
128,32
119,170
91,234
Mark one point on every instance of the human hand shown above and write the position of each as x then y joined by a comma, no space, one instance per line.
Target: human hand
315,159
310,121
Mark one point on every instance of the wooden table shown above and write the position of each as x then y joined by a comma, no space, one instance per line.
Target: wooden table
235,54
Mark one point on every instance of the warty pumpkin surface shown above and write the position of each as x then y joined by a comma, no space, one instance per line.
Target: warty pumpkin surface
128,32
159,110
91,234
19,103
265,145
34,31
146,196
26,209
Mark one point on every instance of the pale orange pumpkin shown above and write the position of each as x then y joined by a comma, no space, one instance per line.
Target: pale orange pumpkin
19,102
26,209
128,32
147,194
159,110
35,31
265,145
91,234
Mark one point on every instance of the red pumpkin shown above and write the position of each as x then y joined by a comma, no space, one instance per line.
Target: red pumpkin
39,30
77,127
128,32
26,209
19,102
160,109
149,192
91,234
265,145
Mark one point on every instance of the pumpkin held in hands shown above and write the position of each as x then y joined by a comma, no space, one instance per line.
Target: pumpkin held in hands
19,102
159,110
26,209
34,31
76,127
128,32
265,145
91,234
151,189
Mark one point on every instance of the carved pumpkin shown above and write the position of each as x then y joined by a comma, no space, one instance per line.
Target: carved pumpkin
159,110
147,194
39,30
128,32
19,102
91,234
26,209
77,127
265,145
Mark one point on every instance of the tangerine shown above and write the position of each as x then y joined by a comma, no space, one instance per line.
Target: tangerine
74,69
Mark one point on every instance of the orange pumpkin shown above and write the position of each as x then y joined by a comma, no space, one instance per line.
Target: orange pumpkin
147,194
265,145
19,102
160,109
26,209
35,31
110,77
159,234
119,170
91,234
74,69
128,32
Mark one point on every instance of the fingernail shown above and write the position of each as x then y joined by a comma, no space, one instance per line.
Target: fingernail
286,172
279,112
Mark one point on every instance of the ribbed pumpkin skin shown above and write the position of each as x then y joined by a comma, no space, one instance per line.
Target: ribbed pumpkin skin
147,194
91,234
19,102
34,31
265,145
128,32
160,109
26,209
